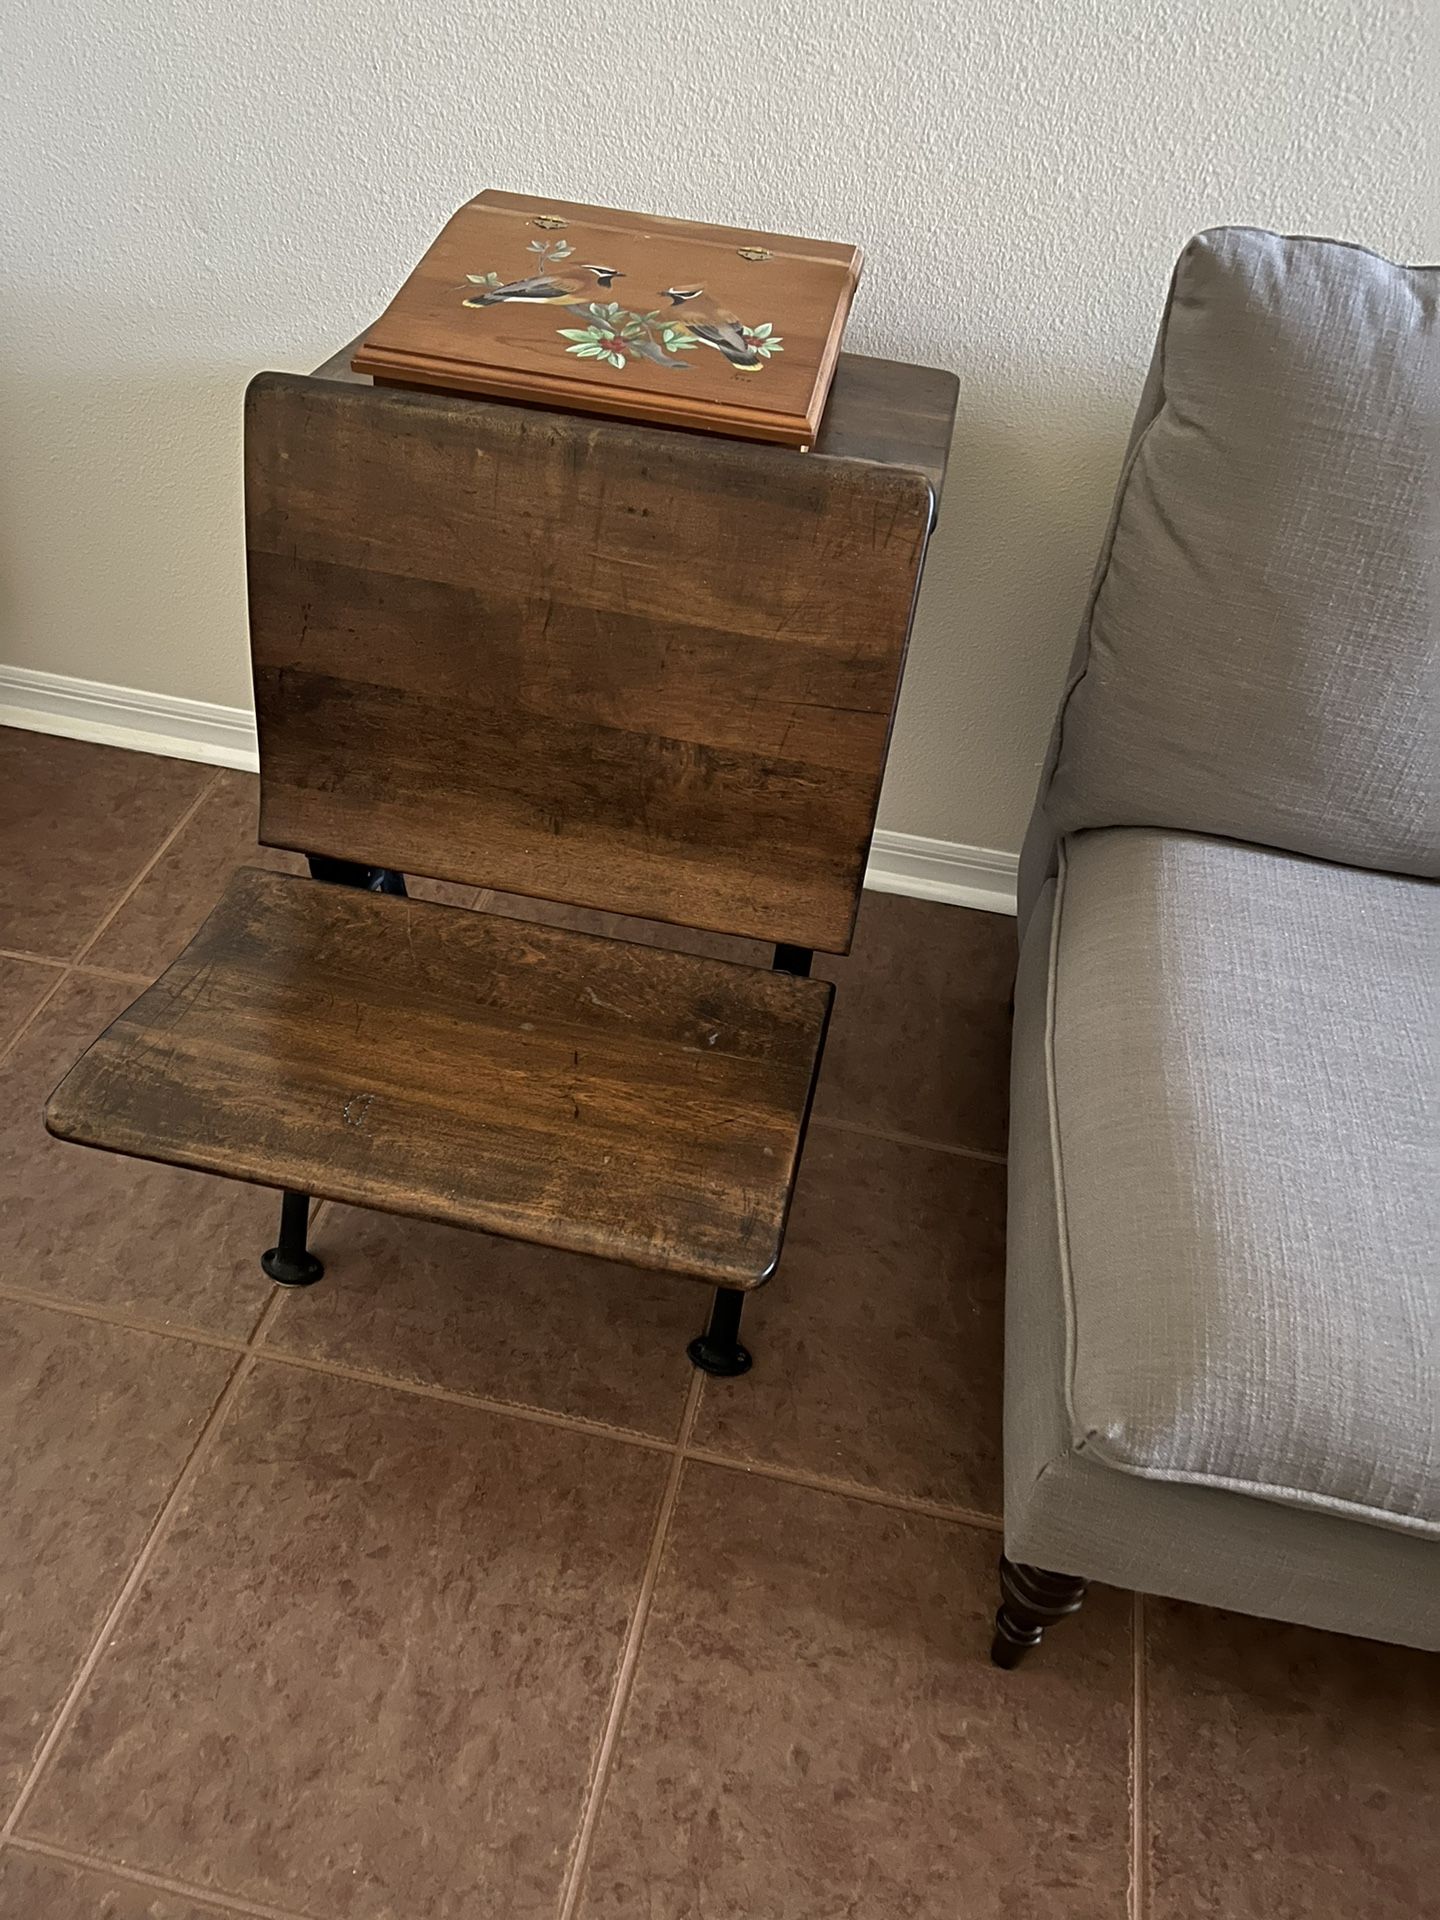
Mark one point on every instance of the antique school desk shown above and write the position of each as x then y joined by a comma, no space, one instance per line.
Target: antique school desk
613,666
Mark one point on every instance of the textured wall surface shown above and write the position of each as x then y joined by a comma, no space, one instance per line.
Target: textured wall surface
194,190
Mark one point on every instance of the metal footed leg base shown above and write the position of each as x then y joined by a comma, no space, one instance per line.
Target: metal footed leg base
711,1356
718,1349
290,1264
303,1272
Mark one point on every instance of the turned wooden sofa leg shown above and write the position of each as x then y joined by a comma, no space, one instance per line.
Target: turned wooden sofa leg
1031,1599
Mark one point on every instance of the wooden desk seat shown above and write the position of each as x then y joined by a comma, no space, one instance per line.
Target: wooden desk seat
613,1099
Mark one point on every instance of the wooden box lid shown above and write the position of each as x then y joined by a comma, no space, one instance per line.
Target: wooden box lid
670,322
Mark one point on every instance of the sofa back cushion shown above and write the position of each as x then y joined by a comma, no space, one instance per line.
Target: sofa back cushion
1259,656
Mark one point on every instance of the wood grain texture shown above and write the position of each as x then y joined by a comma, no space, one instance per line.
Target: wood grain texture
623,1101
882,410
800,289
601,664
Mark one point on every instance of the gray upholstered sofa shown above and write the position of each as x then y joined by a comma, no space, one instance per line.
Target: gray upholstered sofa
1223,1334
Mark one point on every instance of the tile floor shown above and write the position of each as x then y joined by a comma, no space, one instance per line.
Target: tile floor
448,1590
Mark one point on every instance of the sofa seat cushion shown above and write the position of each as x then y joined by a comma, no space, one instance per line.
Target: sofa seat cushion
1242,1060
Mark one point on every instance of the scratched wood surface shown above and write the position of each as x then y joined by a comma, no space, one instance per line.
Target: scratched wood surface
881,410
630,1102
619,667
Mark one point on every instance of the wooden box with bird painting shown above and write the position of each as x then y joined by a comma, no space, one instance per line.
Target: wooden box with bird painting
669,322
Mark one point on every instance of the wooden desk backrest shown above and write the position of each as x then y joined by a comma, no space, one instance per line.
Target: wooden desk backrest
613,666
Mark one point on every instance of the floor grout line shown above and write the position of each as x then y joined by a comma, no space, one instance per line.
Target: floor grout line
161,1882
1139,1770
9,1046
148,1550
113,973
114,1317
261,1328
159,854
455,1397
850,1489
629,1661
908,1139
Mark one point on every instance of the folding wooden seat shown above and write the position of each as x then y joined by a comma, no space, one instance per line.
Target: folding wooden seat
614,667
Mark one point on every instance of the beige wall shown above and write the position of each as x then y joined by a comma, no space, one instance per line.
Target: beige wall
196,189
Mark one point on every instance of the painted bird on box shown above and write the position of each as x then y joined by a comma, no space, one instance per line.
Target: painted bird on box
543,289
712,326
539,290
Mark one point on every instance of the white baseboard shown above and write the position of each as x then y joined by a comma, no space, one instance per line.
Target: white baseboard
225,737
125,717
942,870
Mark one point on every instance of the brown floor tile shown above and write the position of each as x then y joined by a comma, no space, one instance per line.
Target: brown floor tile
33,1887
368,1672
166,910
77,823
477,1315
815,1729
95,1424
920,1037
139,1238
23,985
1292,1773
878,1343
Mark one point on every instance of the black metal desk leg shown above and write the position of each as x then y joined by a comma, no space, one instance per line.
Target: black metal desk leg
350,873
290,1264
718,1349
